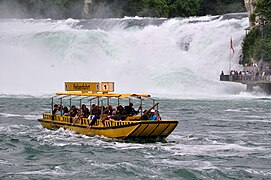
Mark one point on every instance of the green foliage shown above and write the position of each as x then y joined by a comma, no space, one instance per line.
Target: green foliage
135,7
263,9
184,8
57,9
263,49
233,7
257,45
211,7
248,45
158,8
252,18
146,8
265,46
215,7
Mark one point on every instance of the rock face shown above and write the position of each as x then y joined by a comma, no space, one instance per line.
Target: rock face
250,6
85,12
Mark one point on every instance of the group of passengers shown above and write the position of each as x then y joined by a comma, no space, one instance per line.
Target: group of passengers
109,113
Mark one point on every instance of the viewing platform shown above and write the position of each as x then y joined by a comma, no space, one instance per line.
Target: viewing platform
263,81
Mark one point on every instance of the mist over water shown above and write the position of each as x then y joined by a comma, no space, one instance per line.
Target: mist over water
177,57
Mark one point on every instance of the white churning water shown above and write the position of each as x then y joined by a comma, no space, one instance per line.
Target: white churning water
177,57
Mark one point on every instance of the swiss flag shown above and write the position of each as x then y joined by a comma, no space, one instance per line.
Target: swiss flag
231,46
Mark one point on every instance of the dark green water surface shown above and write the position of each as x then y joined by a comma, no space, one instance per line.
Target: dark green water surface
215,139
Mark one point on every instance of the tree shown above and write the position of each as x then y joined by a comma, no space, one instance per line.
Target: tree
134,7
248,45
263,9
184,8
257,45
147,8
211,7
158,8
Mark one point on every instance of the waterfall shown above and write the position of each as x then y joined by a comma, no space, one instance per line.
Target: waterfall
171,57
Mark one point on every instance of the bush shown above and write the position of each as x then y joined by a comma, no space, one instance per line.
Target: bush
257,45
248,45
184,8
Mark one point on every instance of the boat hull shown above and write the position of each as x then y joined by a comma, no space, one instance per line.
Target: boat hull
112,129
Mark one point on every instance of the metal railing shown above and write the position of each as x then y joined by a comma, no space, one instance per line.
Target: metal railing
239,78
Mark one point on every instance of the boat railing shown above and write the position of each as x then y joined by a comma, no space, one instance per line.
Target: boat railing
133,118
67,119
47,116
86,121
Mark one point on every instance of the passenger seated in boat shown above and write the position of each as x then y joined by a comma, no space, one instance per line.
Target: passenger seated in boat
152,116
120,109
145,116
55,110
96,110
79,115
121,113
92,108
158,115
94,119
73,111
66,111
109,108
60,109
114,116
105,115
130,110
85,110
139,109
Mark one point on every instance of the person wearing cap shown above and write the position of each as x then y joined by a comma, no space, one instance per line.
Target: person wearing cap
153,115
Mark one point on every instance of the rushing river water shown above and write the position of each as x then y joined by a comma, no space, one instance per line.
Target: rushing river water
215,139
223,133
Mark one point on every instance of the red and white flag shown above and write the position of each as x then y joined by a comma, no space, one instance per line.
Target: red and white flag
231,46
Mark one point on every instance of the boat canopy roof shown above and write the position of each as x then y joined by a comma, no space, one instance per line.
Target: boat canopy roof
95,89
108,95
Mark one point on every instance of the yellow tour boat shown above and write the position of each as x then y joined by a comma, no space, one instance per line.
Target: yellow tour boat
128,126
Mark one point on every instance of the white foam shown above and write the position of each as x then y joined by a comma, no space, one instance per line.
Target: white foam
153,59
28,116
57,171
10,115
213,149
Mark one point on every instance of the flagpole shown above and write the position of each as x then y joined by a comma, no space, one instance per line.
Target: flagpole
231,53
230,63
230,57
